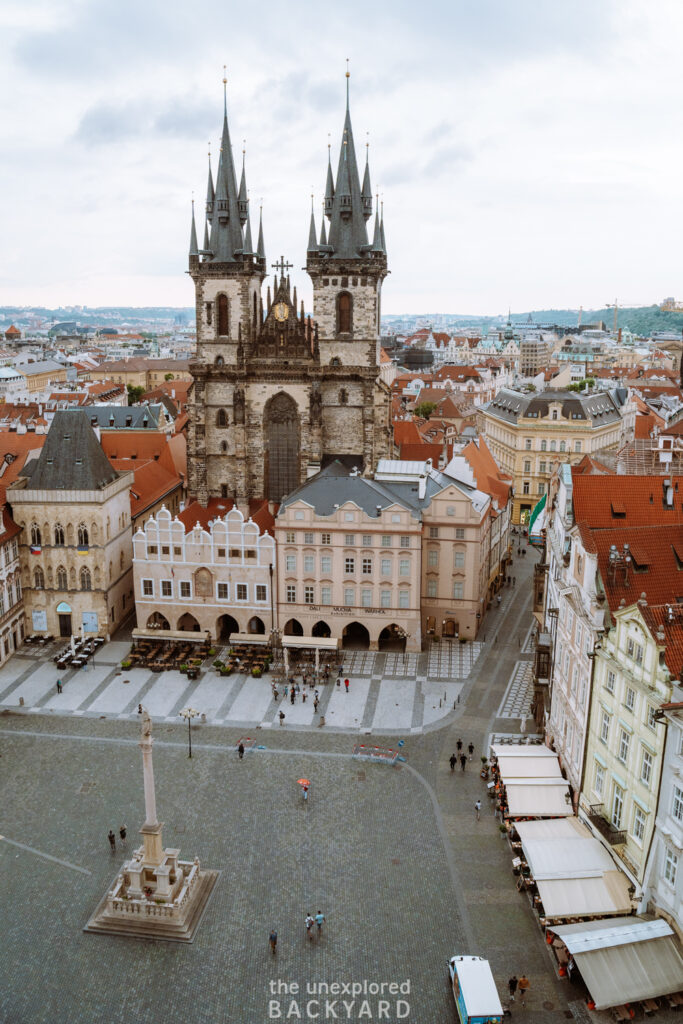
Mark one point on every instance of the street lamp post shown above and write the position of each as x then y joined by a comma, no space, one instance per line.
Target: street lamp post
188,714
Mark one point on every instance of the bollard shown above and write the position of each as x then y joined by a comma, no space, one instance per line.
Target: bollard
322,719
454,705
439,701
21,702
444,694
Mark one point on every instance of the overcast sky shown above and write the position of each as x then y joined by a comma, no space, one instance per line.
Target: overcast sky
528,152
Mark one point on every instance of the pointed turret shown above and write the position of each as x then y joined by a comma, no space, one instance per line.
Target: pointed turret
210,193
194,248
377,236
243,198
206,236
329,186
344,200
226,223
260,248
323,233
248,248
381,232
312,243
367,188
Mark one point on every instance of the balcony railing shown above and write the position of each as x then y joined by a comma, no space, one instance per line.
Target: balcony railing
598,817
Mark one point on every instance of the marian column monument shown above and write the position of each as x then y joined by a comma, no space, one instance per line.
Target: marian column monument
155,893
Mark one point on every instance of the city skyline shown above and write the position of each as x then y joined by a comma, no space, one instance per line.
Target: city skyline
533,163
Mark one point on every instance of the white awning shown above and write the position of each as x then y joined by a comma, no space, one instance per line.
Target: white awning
323,643
249,638
538,798
521,750
625,959
529,767
194,636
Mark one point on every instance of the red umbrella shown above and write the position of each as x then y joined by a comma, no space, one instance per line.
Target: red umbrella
302,782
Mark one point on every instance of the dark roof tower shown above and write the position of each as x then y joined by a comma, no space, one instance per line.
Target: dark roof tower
260,247
312,242
72,458
210,193
229,208
194,248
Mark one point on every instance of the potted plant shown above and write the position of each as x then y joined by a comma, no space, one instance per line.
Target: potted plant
225,671
126,663
503,831
212,652
183,668
218,663
256,672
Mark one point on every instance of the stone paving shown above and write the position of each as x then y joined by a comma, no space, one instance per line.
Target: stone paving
516,702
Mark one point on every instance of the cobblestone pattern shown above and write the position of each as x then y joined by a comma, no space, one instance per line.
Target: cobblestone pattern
346,853
516,702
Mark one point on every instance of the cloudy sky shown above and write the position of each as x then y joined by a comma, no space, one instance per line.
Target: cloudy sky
528,152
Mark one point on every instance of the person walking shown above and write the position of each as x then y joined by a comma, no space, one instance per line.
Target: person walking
514,581
463,761
315,704
303,696
305,794
512,986
281,716
523,985
292,695
285,691
453,761
59,686
319,919
112,840
459,745
123,832
240,750
470,750
477,809
310,921
273,941
346,684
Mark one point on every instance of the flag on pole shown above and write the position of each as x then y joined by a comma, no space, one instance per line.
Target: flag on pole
537,518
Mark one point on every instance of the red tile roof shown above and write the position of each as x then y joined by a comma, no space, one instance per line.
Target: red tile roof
641,496
216,508
489,478
421,452
406,432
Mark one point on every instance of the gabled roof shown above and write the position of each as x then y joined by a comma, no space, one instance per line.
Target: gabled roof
487,475
217,508
131,417
71,458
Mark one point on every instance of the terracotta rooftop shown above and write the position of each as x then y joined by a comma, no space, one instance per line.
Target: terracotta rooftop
216,508
659,621
625,501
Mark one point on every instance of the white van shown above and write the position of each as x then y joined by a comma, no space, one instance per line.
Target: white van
474,990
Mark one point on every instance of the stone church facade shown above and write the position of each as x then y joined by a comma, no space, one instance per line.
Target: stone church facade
279,394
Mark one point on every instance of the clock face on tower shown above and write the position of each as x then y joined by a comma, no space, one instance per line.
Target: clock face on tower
281,311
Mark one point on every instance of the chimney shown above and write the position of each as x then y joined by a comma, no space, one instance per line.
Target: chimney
422,486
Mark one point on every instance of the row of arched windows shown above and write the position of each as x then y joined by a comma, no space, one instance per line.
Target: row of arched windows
61,536
344,314
61,578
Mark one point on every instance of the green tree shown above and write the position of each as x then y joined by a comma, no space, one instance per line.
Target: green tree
424,410
168,376
134,393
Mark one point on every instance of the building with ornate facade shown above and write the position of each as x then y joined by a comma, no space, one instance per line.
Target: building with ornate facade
206,569
279,394
76,544
11,597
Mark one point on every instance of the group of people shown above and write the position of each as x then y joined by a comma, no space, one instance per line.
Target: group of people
520,985
309,921
123,831
461,756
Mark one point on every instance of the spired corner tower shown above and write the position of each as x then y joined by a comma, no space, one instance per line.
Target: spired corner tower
276,394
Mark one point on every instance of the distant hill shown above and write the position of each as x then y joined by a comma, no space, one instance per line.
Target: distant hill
641,320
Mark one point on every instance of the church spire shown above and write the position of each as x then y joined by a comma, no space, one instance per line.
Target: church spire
210,193
248,248
260,247
226,224
243,198
329,185
381,230
194,248
377,236
312,243
323,234
367,187
344,200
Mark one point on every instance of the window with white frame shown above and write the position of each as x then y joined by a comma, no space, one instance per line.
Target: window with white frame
646,764
241,591
577,446
289,536
350,539
148,588
624,743
385,598
325,538
404,567
458,590
222,591
261,592
367,540
366,567
599,784
459,559
670,866
460,533
386,567
617,805
166,588
326,595
638,824
290,591
404,598
290,563
309,563
431,588
326,564
349,566
386,540
651,719
309,596
185,589
366,598
405,542
630,698
527,444
527,465
677,804
604,726
432,559
308,538
349,596
433,532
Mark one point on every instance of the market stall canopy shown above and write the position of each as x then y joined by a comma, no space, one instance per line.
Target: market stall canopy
625,959
574,873
524,761
538,798
323,643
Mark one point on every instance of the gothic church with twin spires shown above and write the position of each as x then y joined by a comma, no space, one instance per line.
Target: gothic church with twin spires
279,394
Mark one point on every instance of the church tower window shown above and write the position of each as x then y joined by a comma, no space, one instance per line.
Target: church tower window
221,418
343,397
281,423
223,319
344,311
